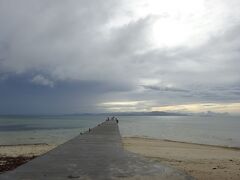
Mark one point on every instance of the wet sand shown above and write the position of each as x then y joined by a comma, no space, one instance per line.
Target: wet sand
200,161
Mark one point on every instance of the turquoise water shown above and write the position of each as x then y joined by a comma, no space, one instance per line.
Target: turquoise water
58,129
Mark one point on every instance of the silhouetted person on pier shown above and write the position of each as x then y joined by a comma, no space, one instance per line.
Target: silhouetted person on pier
117,120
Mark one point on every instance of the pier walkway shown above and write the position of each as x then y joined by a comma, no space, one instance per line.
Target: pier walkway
97,154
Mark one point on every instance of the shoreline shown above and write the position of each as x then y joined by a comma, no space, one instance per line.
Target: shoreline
183,142
198,160
127,137
201,161
29,144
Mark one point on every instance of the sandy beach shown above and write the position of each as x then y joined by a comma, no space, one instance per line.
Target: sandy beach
24,150
12,156
200,161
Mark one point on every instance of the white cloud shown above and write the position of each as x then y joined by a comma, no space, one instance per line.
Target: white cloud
194,108
126,106
41,80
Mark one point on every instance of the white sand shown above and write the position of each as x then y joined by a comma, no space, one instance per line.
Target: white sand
25,150
200,161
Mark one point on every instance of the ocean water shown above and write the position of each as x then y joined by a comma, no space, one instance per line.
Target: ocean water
223,131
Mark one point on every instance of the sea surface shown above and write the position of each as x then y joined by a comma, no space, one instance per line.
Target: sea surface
217,130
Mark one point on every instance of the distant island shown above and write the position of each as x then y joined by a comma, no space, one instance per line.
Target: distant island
151,113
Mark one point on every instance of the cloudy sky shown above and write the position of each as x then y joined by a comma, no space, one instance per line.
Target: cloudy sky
80,56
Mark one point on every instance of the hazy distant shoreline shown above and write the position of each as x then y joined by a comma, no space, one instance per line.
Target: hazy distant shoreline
141,113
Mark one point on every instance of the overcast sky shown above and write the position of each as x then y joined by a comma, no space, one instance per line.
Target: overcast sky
80,56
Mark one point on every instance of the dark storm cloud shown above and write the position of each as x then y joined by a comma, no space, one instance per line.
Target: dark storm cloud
79,49
68,40
18,96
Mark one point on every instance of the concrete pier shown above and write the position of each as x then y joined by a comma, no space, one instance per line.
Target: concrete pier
97,154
